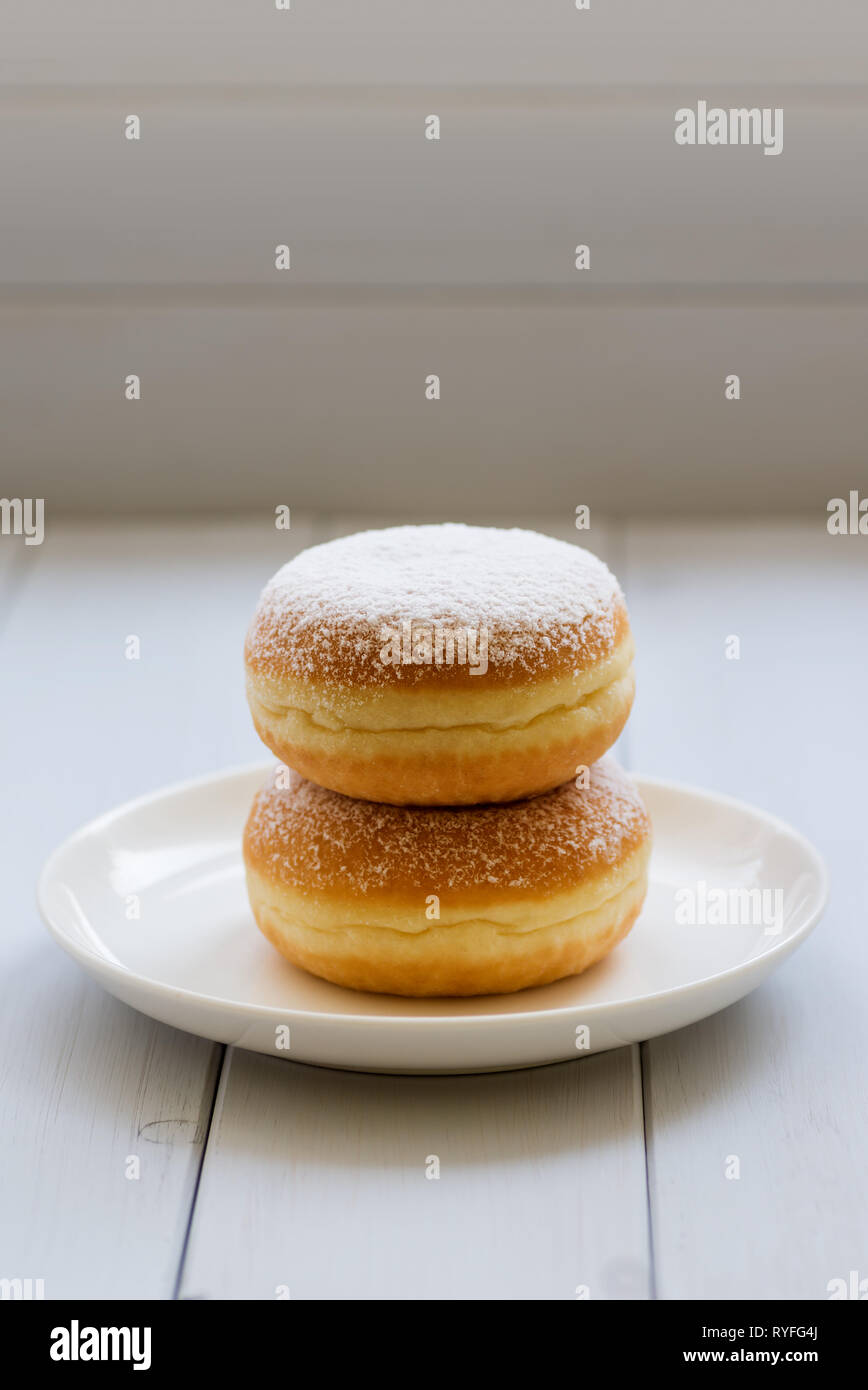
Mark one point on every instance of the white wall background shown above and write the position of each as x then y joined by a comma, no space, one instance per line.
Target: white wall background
411,257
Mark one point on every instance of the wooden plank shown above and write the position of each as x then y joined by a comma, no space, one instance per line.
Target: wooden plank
413,41
543,405
315,1182
502,199
85,1082
777,1080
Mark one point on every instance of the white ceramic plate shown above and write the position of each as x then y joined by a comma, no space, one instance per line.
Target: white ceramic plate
150,899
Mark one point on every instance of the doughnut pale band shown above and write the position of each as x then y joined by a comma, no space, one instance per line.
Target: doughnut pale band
450,747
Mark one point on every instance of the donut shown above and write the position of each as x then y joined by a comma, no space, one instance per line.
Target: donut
416,900
440,665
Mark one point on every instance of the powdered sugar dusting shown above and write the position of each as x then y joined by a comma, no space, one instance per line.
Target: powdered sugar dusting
318,841
541,602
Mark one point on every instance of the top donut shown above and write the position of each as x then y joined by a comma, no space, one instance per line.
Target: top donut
440,664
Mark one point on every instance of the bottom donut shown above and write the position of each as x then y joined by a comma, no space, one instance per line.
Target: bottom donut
428,901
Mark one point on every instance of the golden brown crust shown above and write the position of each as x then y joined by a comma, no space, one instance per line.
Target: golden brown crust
280,644
442,900
318,841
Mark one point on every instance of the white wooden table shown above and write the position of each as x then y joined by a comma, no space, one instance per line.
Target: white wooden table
260,1176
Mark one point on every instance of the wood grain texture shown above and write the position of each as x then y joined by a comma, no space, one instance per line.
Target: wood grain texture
85,1083
777,1080
315,1181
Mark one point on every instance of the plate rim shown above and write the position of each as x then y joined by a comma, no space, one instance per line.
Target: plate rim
525,1018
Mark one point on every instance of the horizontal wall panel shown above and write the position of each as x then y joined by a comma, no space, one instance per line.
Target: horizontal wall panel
323,406
361,197
467,41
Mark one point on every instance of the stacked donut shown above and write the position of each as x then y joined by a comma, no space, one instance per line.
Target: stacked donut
443,821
